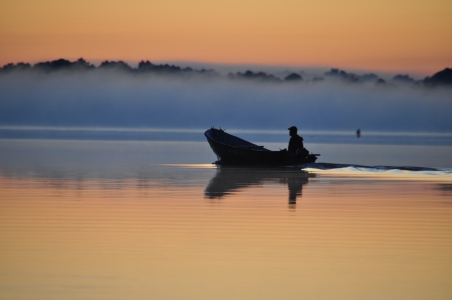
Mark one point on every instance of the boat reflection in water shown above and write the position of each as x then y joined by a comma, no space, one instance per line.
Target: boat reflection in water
229,180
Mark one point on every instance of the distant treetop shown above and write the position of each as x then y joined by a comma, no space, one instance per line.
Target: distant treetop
443,77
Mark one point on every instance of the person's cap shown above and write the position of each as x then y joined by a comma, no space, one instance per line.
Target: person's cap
292,128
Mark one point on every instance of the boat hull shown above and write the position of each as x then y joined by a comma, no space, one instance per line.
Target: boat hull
231,150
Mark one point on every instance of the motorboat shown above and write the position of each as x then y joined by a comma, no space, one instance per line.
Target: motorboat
232,150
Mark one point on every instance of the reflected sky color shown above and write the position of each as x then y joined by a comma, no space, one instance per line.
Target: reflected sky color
161,237
154,219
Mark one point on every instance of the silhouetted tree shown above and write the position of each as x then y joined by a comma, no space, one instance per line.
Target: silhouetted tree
336,73
115,65
63,64
259,76
381,82
443,77
82,64
293,77
148,67
349,77
15,67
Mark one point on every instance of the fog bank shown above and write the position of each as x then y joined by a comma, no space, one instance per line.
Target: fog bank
115,100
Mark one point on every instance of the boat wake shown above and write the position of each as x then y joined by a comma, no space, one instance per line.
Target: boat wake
376,170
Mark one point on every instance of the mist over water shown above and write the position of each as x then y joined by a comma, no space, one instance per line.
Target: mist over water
110,99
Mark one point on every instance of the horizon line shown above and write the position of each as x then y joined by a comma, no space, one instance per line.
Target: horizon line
202,130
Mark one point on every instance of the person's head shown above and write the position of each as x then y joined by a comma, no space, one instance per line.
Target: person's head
292,131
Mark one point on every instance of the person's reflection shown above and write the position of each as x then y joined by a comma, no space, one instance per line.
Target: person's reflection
295,186
228,181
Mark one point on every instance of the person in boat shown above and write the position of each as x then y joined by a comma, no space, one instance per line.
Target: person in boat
296,146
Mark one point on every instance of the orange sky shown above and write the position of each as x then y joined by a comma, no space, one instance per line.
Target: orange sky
387,35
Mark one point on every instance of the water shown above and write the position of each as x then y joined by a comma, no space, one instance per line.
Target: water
140,219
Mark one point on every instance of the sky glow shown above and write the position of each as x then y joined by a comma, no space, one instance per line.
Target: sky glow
390,36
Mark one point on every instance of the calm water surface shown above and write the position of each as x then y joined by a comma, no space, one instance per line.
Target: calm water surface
155,220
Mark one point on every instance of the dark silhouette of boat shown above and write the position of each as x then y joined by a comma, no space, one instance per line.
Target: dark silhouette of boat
231,150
